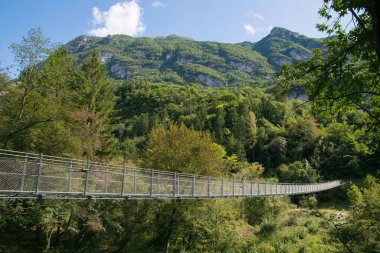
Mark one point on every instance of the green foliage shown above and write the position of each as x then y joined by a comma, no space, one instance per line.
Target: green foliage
341,149
345,76
364,230
183,150
54,107
97,103
308,202
285,47
60,108
297,172
182,61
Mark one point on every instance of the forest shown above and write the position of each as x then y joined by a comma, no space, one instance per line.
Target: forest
59,106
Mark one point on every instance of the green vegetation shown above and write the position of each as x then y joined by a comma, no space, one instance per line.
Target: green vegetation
180,60
63,104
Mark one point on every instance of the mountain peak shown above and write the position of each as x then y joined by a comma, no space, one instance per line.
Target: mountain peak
283,33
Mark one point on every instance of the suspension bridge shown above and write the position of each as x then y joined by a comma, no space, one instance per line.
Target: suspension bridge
30,175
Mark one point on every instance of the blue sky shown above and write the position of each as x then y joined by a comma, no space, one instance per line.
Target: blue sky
216,20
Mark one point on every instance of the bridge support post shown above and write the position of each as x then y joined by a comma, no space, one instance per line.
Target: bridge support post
258,188
233,187
106,181
123,180
193,187
86,178
39,174
70,172
23,173
208,186
174,184
151,183
158,183
221,187
242,187
265,188
134,181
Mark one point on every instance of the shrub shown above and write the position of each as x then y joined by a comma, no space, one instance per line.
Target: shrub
268,226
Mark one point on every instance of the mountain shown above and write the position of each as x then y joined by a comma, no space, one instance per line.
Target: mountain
183,60
282,46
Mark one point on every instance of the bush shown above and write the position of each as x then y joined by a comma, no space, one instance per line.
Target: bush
312,226
301,232
308,202
268,226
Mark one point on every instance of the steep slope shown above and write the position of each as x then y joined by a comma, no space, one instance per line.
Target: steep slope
182,60
282,46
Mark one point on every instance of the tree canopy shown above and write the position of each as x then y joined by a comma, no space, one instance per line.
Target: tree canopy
344,75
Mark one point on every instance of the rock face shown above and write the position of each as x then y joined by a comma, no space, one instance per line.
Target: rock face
297,54
105,57
244,67
118,70
183,60
209,81
80,44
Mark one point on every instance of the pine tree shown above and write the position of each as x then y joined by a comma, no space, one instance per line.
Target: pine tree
97,102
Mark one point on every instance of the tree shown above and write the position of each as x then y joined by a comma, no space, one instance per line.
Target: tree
297,172
17,99
345,75
361,232
183,150
35,109
97,102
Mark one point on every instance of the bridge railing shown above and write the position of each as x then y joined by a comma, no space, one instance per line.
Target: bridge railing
30,175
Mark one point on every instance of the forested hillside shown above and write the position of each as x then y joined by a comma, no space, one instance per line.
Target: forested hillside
180,60
146,102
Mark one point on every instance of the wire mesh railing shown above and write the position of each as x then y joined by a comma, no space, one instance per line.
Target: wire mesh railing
32,175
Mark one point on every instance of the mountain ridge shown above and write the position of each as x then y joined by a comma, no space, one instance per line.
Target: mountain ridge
183,60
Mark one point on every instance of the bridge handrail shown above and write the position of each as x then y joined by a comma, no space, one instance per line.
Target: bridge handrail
45,173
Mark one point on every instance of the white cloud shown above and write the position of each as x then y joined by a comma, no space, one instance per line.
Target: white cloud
254,14
249,29
157,3
120,18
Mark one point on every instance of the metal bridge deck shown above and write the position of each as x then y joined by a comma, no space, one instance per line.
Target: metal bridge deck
29,175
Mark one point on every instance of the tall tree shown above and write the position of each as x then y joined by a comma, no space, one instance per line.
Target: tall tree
97,102
346,75
183,150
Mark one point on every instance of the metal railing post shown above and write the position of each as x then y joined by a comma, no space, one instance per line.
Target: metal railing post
69,183
39,174
265,188
86,170
158,183
134,181
151,183
208,186
258,188
251,187
177,188
233,187
123,180
106,181
23,173
221,188
174,184
193,187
